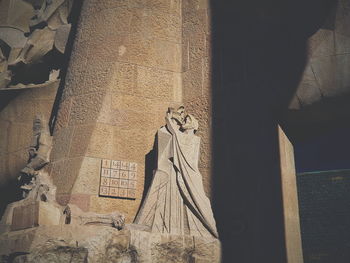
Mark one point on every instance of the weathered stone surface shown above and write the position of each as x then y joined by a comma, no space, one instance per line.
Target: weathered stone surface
64,174
100,143
61,142
124,78
85,109
16,14
155,23
151,247
61,37
88,179
81,135
154,83
193,81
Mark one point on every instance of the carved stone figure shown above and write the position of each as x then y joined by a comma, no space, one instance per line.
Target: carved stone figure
40,148
75,216
176,202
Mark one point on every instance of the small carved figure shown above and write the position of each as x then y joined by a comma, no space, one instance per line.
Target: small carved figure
40,148
176,202
39,154
75,216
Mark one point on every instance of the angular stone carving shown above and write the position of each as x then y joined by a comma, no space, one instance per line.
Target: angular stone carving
29,33
176,202
75,216
39,207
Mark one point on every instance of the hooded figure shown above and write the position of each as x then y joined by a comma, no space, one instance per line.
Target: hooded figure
176,202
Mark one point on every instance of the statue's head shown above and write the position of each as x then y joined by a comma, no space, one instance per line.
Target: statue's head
185,121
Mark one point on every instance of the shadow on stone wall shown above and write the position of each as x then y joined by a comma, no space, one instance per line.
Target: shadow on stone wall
259,54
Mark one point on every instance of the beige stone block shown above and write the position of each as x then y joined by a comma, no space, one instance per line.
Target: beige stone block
80,200
134,115
124,78
157,24
85,109
89,177
95,28
134,103
166,6
202,110
197,47
195,4
61,143
195,21
62,117
93,78
152,83
207,77
192,81
132,144
100,144
185,52
205,155
80,140
177,89
35,214
64,174
152,52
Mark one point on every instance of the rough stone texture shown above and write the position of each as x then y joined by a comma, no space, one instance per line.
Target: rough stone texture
105,244
196,79
124,72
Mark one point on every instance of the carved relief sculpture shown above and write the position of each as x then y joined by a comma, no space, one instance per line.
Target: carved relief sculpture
40,147
176,202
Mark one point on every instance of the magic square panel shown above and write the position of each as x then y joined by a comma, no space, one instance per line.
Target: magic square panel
118,179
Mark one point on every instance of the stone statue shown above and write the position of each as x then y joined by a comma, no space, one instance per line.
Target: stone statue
40,147
39,154
176,202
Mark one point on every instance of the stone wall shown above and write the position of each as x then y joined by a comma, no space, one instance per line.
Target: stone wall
130,61
196,54
124,72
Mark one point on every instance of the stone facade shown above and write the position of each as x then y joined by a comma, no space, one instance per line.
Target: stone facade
125,71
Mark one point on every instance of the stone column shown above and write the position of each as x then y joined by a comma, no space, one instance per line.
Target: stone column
124,72
290,200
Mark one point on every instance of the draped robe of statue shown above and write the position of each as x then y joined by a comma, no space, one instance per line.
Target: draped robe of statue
176,202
